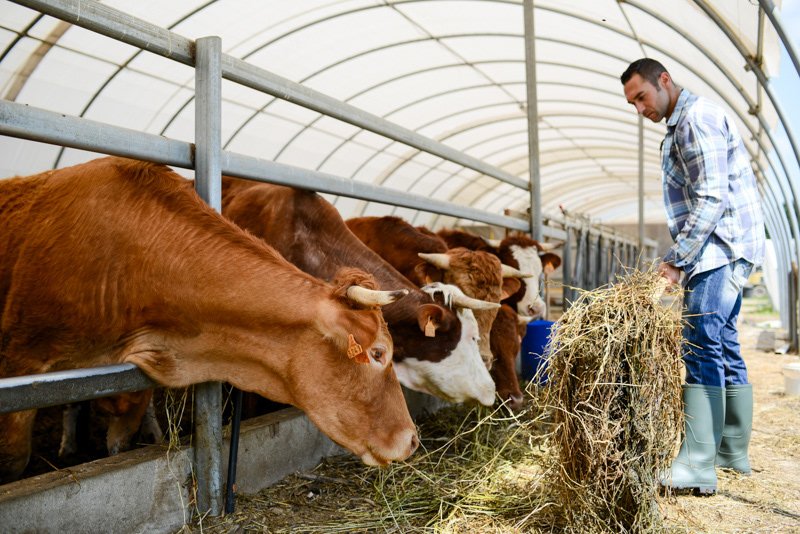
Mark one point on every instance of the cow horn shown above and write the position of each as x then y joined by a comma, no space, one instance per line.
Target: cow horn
373,297
492,242
510,272
440,260
473,304
547,247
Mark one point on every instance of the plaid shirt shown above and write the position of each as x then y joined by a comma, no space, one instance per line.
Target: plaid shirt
712,202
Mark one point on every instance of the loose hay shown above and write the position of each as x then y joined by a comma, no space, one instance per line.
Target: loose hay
615,397
582,457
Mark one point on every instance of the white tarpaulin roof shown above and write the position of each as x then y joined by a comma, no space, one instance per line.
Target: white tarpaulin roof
453,71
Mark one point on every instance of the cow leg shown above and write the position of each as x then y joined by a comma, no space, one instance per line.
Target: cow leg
69,430
150,427
15,443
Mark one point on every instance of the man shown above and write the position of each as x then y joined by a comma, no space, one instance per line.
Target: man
715,220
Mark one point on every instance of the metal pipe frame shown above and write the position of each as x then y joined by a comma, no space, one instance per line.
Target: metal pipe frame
208,183
533,122
52,389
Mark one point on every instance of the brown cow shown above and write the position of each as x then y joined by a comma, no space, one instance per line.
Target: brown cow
478,274
508,329
518,251
120,261
436,347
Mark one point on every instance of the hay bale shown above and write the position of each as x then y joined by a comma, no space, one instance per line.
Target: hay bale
614,392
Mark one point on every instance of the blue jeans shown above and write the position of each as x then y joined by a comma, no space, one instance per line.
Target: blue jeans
711,346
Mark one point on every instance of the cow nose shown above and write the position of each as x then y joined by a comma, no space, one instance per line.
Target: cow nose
414,443
535,312
515,402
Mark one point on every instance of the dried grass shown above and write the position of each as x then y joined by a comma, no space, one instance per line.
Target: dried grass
582,457
615,396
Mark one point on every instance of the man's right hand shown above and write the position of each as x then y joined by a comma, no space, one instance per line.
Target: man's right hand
670,272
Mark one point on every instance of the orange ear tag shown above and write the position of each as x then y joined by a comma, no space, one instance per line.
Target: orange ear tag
430,328
355,351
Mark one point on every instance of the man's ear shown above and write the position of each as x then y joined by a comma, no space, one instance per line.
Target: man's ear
665,79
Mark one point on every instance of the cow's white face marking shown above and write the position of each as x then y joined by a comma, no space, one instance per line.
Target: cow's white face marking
461,376
529,261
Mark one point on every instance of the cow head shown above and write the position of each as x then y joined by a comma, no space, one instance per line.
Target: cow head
479,275
332,358
531,258
361,405
460,376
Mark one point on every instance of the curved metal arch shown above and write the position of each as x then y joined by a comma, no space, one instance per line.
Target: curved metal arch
403,43
400,162
391,170
475,124
389,144
123,66
392,44
402,76
603,200
21,35
572,15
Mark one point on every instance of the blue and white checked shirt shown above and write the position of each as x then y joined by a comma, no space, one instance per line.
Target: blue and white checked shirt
713,208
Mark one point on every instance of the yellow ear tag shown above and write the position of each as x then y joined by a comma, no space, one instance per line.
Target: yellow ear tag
354,350
430,328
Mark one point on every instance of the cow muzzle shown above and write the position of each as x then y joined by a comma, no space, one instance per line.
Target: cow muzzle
405,445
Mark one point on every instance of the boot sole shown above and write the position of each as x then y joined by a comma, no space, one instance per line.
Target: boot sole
702,491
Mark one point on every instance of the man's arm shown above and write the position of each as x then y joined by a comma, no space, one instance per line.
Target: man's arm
704,149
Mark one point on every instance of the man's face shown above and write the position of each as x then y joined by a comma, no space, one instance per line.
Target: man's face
650,101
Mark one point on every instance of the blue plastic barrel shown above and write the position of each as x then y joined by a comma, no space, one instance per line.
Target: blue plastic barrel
534,350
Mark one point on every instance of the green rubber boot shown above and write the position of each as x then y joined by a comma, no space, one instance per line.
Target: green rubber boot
693,468
732,453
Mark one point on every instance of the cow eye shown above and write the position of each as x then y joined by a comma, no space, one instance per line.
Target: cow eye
377,353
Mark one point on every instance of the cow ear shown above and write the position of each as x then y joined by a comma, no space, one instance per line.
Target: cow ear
550,262
510,286
429,318
426,273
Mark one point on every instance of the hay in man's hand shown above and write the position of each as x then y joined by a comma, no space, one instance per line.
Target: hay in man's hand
614,392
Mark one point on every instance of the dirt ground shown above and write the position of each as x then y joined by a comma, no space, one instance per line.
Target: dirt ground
769,500
766,502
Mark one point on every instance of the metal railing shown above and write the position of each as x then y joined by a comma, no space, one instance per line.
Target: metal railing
17,120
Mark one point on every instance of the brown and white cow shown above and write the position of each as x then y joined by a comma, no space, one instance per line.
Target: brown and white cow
436,346
519,251
410,250
120,261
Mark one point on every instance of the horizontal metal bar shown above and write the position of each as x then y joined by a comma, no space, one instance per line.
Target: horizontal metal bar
277,173
123,27
52,389
27,122
19,120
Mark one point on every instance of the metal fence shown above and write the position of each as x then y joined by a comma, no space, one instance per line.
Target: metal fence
597,253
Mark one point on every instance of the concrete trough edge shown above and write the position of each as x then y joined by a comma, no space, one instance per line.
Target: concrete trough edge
148,490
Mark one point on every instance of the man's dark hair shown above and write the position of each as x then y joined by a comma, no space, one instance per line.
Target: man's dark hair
647,68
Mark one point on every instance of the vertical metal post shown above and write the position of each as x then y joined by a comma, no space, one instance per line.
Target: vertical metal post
566,270
641,183
208,183
580,259
533,122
